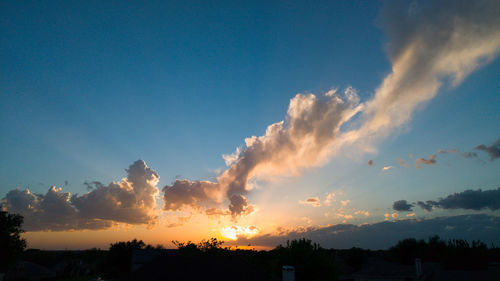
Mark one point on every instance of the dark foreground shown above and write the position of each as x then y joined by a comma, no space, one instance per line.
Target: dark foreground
208,260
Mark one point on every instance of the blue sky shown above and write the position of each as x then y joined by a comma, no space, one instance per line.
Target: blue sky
88,88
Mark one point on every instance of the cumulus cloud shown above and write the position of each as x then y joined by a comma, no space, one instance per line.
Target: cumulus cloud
493,150
313,201
382,235
468,199
302,140
402,206
430,161
132,201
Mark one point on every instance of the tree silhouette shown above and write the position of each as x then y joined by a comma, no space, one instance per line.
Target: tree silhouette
11,243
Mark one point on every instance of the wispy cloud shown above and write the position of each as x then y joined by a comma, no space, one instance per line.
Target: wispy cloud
430,161
446,151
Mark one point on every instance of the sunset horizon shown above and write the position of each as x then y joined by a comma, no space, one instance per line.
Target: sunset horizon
353,124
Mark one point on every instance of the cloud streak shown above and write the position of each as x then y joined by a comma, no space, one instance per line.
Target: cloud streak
428,45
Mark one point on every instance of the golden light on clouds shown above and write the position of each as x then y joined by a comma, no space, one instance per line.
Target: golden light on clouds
233,232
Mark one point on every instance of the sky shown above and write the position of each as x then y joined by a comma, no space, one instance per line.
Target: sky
250,121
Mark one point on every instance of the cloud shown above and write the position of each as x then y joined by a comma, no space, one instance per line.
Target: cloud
361,212
130,201
430,161
468,199
382,235
370,162
329,198
313,201
493,150
239,205
387,168
469,154
215,212
439,42
426,205
402,163
402,206
446,151
301,141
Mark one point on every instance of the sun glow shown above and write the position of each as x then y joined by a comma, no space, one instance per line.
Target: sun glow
233,232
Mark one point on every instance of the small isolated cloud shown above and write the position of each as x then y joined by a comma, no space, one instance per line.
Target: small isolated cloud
329,198
468,199
469,154
430,161
362,212
393,215
402,163
313,201
446,151
493,150
386,168
370,162
402,206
